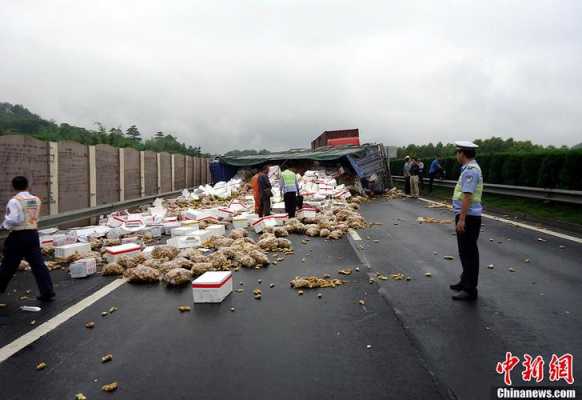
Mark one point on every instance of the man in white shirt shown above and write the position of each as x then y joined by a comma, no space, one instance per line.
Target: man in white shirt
22,212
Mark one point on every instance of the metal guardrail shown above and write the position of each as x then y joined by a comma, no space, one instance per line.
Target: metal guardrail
528,192
49,221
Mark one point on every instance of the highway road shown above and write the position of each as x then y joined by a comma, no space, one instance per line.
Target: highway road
408,340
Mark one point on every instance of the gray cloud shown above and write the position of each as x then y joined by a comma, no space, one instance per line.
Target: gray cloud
257,74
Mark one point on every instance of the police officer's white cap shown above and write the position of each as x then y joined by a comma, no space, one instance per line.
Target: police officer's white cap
462,144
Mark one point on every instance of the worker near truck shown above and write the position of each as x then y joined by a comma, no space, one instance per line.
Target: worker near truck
256,191
467,209
21,220
265,192
435,171
406,174
289,191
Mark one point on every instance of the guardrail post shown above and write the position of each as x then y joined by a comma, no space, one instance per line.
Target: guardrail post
142,172
186,166
173,172
159,161
53,178
92,177
121,175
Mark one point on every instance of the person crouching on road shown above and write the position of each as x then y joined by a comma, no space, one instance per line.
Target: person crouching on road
290,191
467,208
265,190
414,172
21,220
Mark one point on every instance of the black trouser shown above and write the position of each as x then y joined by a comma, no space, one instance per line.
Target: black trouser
407,184
265,206
290,199
430,181
469,252
25,244
420,183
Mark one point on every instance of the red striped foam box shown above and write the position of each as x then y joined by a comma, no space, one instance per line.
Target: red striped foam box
225,213
307,212
112,253
281,218
262,223
212,287
68,250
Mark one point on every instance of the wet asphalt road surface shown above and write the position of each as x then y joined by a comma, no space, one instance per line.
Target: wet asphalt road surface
284,346
534,310
423,345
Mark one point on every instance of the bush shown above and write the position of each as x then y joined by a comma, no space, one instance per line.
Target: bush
545,168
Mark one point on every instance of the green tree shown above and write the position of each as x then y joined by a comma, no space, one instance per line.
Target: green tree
133,134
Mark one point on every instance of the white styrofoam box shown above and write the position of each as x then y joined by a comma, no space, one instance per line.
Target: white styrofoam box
278,208
262,223
134,220
157,230
216,230
202,235
62,239
190,223
148,220
238,205
183,242
168,226
212,287
113,253
209,219
225,213
46,241
240,222
251,217
307,212
68,250
170,219
131,239
281,218
182,231
83,268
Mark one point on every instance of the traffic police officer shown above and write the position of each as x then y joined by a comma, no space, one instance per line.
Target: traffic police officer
290,191
467,208
21,220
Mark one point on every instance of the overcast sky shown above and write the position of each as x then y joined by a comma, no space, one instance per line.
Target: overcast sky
274,74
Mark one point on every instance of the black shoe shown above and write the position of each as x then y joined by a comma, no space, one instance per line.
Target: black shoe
46,297
457,287
465,296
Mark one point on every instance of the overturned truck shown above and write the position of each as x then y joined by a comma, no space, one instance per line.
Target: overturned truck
361,168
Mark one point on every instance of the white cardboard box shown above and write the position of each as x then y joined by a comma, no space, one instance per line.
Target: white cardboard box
83,268
212,287
113,253
216,230
68,250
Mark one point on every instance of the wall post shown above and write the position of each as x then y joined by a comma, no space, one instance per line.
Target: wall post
142,172
92,177
121,175
159,161
173,173
53,178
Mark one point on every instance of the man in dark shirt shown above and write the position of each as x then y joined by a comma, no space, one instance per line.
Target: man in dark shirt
265,192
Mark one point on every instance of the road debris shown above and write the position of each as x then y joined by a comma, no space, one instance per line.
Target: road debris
111,387
272,285
311,282
300,293
232,309
440,205
40,366
113,309
106,358
33,322
397,276
3,305
449,258
542,240
104,313
369,346
319,295
562,246
362,302
258,294
183,309
345,271
526,260
491,266
511,269
427,274
80,396
90,325
431,220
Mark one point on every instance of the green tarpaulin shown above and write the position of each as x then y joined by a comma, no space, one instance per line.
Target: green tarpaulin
317,155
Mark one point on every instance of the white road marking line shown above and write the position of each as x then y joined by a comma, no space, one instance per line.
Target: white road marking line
521,225
25,340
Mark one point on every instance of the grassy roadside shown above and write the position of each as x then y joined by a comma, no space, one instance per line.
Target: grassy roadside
536,210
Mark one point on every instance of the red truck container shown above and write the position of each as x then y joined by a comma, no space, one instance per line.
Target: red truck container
323,139
354,141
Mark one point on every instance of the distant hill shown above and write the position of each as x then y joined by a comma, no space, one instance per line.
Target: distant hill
578,146
17,119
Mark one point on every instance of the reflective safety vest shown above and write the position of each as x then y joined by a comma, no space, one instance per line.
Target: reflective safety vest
458,194
289,181
30,206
